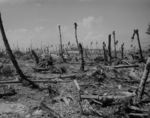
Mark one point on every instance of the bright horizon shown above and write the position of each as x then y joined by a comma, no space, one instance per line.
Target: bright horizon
38,20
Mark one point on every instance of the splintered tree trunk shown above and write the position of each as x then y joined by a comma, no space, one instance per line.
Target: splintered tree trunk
104,49
75,24
122,51
24,79
143,80
82,59
109,47
140,46
137,33
61,46
114,44
36,57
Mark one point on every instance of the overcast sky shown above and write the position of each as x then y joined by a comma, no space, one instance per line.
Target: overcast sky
38,20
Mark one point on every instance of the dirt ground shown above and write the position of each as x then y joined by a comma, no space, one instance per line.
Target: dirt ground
59,97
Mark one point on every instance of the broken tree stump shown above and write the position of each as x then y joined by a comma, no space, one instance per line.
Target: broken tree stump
24,80
82,58
109,47
35,56
61,46
143,81
75,25
122,50
139,43
104,50
114,44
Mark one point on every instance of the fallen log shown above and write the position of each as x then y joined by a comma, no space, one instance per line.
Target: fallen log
123,66
35,81
143,81
138,115
106,100
124,61
101,98
41,69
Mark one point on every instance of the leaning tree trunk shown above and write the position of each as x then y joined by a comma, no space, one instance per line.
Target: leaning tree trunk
137,33
36,57
82,58
24,80
109,47
143,81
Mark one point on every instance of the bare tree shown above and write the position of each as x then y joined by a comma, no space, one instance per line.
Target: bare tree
24,80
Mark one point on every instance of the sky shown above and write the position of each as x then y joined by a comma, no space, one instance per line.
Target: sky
37,21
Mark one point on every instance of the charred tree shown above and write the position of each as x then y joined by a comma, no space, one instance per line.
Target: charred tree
82,58
109,47
114,44
36,57
137,33
104,50
75,25
144,78
61,46
24,80
122,51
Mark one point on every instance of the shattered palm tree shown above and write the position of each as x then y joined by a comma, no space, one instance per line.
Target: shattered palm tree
23,78
136,31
